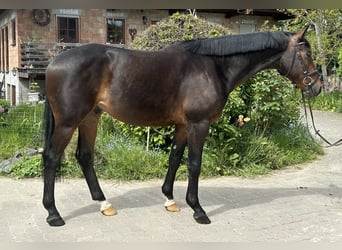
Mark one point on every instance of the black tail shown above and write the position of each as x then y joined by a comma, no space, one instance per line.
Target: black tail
49,124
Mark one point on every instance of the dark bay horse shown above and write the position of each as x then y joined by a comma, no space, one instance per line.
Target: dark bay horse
186,85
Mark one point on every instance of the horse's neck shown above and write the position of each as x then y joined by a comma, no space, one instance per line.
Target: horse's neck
240,68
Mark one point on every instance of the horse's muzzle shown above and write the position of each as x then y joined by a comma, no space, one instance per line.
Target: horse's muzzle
312,89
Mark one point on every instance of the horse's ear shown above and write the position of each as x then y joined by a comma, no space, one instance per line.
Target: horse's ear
300,34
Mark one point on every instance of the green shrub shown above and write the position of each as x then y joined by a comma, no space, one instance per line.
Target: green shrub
27,167
5,104
178,27
30,167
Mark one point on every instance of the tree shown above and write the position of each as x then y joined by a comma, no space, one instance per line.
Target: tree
339,69
325,38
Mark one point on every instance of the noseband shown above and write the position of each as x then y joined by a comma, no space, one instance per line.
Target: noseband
307,80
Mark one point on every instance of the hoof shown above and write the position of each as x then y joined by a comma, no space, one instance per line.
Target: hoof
107,208
109,211
202,218
55,221
172,208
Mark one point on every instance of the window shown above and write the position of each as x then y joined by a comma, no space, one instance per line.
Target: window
1,50
68,31
154,22
13,32
115,30
6,49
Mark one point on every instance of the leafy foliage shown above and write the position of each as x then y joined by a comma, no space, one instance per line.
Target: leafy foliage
272,101
324,36
5,104
328,21
178,27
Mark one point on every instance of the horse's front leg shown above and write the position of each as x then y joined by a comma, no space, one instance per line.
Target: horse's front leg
197,133
176,154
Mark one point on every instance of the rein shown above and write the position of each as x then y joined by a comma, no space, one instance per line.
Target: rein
317,132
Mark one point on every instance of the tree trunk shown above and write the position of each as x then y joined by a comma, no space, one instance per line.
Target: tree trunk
322,56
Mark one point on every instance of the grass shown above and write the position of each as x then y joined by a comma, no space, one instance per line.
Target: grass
19,129
328,101
119,158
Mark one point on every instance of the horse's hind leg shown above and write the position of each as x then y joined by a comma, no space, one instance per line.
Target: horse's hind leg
51,159
177,151
85,156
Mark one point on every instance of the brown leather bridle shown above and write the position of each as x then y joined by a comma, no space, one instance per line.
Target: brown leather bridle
307,79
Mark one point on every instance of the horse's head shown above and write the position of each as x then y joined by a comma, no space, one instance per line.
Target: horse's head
296,64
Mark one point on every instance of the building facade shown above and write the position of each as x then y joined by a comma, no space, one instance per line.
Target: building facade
29,39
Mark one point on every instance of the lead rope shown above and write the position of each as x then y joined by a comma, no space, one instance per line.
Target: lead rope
317,132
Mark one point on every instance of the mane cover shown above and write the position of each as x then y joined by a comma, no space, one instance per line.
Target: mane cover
237,44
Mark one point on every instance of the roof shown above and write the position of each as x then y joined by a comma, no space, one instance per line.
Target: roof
277,15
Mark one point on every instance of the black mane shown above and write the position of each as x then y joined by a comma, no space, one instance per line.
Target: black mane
237,44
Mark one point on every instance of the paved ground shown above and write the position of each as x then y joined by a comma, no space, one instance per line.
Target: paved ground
300,203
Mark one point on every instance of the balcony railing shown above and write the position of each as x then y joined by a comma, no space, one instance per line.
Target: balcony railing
35,56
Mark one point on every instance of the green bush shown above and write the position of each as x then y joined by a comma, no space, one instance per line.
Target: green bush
178,27
27,167
4,107
5,104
